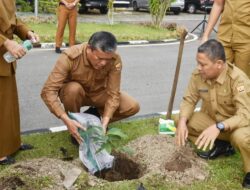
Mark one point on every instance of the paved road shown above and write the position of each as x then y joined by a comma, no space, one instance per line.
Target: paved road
147,75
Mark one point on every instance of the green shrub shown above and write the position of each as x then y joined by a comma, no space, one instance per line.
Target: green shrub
24,6
158,10
48,6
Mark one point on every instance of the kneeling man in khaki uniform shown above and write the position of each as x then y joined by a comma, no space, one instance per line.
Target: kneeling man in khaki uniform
224,118
89,74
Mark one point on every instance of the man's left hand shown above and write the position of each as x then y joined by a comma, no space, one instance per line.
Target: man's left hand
33,37
207,138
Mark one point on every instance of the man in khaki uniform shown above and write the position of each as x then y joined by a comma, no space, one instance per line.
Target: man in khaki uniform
67,12
10,140
88,75
233,30
225,113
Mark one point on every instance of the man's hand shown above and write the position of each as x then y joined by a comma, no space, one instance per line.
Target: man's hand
181,132
71,5
207,138
105,122
33,37
73,126
14,48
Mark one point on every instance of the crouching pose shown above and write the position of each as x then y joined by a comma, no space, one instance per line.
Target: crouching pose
224,119
89,74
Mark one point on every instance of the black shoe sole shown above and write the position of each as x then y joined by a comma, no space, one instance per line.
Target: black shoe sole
26,147
210,156
7,161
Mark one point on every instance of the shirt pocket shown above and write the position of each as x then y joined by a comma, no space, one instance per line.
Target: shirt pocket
204,94
225,102
101,78
225,99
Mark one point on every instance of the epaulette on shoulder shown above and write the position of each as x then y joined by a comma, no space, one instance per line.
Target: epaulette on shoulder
232,71
74,51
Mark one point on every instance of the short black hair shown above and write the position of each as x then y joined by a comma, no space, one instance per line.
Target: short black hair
213,49
104,41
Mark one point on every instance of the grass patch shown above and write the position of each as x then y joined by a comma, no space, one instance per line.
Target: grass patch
46,28
123,32
225,173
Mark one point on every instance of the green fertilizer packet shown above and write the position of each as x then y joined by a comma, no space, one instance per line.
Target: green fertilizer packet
166,127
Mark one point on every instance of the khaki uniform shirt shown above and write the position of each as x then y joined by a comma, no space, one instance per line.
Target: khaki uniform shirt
9,25
235,22
73,65
227,99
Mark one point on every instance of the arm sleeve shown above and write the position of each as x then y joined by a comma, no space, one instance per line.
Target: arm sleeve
55,81
2,39
241,98
113,89
21,30
190,99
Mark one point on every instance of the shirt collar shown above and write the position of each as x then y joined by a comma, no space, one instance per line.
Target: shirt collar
85,60
222,77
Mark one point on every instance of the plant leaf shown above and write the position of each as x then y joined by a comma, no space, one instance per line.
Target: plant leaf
114,138
117,132
105,146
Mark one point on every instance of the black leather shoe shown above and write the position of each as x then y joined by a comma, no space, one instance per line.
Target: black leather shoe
246,181
58,50
26,147
220,148
93,111
7,161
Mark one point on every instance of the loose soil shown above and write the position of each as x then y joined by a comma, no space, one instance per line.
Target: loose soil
124,168
153,155
160,156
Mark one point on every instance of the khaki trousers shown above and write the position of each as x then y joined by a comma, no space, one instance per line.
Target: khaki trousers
73,97
65,15
239,54
239,138
10,139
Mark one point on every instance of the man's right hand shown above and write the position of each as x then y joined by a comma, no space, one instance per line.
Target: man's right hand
181,132
73,126
14,48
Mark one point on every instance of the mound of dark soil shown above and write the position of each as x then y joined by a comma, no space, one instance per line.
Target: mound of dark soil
159,155
153,155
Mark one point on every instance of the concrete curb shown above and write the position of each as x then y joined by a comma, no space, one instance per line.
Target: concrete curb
133,118
190,37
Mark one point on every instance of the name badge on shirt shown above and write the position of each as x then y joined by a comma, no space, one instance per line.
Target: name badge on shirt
203,90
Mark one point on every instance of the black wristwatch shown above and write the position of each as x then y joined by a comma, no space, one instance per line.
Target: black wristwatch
220,126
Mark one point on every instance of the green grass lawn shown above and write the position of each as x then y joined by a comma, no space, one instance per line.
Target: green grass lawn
46,28
225,173
123,32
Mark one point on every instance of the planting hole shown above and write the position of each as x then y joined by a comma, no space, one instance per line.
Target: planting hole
11,183
123,168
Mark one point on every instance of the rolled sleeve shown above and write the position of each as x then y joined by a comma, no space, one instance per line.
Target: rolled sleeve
55,81
21,30
2,39
113,89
